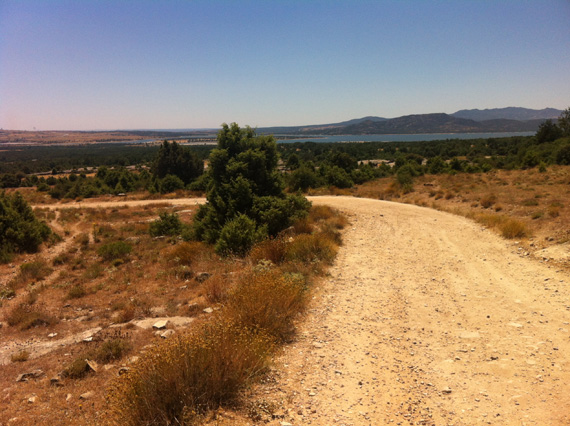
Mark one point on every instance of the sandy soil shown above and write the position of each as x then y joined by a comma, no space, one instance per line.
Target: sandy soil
427,318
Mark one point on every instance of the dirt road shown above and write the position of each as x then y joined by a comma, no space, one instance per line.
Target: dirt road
428,319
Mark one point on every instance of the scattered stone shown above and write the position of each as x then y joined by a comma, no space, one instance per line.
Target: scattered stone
123,370
32,399
166,334
88,339
35,374
68,397
87,395
317,345
92,365
286,424
446,390
52,335
160,325
515,324
207,310
148,323
56,381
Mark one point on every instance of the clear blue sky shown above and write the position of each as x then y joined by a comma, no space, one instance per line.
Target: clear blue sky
92,65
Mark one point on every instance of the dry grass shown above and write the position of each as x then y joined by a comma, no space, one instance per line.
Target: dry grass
183,378
312,248
273,249
158,277
268,301
26,316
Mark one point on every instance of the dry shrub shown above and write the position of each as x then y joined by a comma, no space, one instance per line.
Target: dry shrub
29,273
217,287
76,292
186,253
303,226
185,376
330,231
530,202
271,249
126,313
513,228
553,211
104,353
27,316
77,369
318,213
268,301
311,248
83,241
339,221
488,200
20,356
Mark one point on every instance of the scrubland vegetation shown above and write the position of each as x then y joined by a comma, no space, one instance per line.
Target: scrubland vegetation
242,266
117,266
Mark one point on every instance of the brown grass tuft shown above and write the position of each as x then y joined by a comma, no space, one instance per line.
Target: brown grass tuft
184,377
26,317
268,301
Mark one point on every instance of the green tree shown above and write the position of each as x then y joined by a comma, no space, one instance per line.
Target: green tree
564,122
20,230
303,178
548,132
177,160
245,182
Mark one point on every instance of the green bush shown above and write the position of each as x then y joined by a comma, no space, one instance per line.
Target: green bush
167,224
114,250
303,178
170,183
238,236
338,177
20,230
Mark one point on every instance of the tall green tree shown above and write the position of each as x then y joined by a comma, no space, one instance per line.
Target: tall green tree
177,160
564,122
548,132
244,184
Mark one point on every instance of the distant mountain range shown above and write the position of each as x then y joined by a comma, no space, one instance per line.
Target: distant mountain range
510,119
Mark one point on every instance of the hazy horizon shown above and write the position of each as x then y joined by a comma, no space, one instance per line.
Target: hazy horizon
96,65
